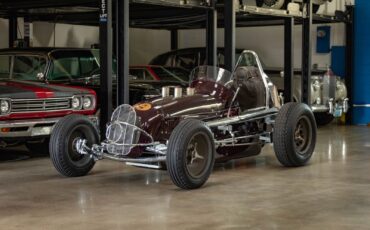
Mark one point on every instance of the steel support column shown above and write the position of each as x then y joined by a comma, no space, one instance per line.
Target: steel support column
27,32
174,39
105,33
288,59
230,24
13,26
349,59
211,36
123,23
306,52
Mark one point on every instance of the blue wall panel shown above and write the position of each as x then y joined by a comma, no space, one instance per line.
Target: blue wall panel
361,81
323,39
338,60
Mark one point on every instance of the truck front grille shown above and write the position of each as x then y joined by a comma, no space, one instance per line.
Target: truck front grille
41,105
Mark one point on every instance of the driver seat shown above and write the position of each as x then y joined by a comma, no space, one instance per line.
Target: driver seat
252,92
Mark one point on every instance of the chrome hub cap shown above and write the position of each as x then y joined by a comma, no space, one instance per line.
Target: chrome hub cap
302,135
197,155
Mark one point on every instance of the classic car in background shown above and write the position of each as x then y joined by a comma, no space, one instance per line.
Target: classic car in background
328,92
223,116
283,4
159,73
73,67
29,110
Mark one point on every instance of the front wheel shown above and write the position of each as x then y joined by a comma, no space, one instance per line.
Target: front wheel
63,153
294,135
190,154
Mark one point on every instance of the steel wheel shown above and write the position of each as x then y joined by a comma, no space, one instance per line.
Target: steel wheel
197,155
78,133
302,135
294,135
190,154
63,151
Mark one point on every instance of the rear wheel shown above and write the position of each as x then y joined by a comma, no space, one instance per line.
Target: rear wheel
63,153
191,154
294,135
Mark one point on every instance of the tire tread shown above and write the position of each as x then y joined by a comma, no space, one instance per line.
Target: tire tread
57,142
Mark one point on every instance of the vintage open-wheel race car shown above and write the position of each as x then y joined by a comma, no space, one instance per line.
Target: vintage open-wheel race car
222,116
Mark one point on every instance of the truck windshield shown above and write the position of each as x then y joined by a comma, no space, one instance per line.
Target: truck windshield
171,74
22,67
69,65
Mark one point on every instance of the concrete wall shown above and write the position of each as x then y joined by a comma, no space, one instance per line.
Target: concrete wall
268,42
145,44
64,36
4,33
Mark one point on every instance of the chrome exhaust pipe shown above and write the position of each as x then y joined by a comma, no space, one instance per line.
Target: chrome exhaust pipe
135,160
253,115
165,91
178,92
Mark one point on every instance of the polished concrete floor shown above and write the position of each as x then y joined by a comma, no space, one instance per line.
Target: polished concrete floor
332,192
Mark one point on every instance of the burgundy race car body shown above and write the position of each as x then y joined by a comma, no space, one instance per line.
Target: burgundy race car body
221,116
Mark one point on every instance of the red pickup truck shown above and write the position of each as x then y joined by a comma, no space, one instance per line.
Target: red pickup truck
29,110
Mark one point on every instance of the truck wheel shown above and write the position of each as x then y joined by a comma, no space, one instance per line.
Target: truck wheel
190,154
323,119
294,134
38,148
62,148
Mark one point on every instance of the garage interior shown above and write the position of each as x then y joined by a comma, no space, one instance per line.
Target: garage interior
330,192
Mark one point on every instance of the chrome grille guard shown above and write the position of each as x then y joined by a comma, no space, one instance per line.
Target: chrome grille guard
122,132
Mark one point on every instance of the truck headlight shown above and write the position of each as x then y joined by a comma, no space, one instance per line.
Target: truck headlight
4,106
88,102
76,102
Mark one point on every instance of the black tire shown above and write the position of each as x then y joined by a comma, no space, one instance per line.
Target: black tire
323,119
38,148
189,142
65,158
294,134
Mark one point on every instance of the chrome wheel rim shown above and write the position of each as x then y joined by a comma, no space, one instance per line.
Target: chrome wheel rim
75,135
303,135
198,155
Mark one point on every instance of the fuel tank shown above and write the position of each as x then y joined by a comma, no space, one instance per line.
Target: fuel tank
160,116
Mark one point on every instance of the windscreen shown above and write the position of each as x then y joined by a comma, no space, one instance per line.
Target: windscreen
212,74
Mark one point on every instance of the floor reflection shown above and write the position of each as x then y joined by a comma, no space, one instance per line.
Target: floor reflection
330,193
